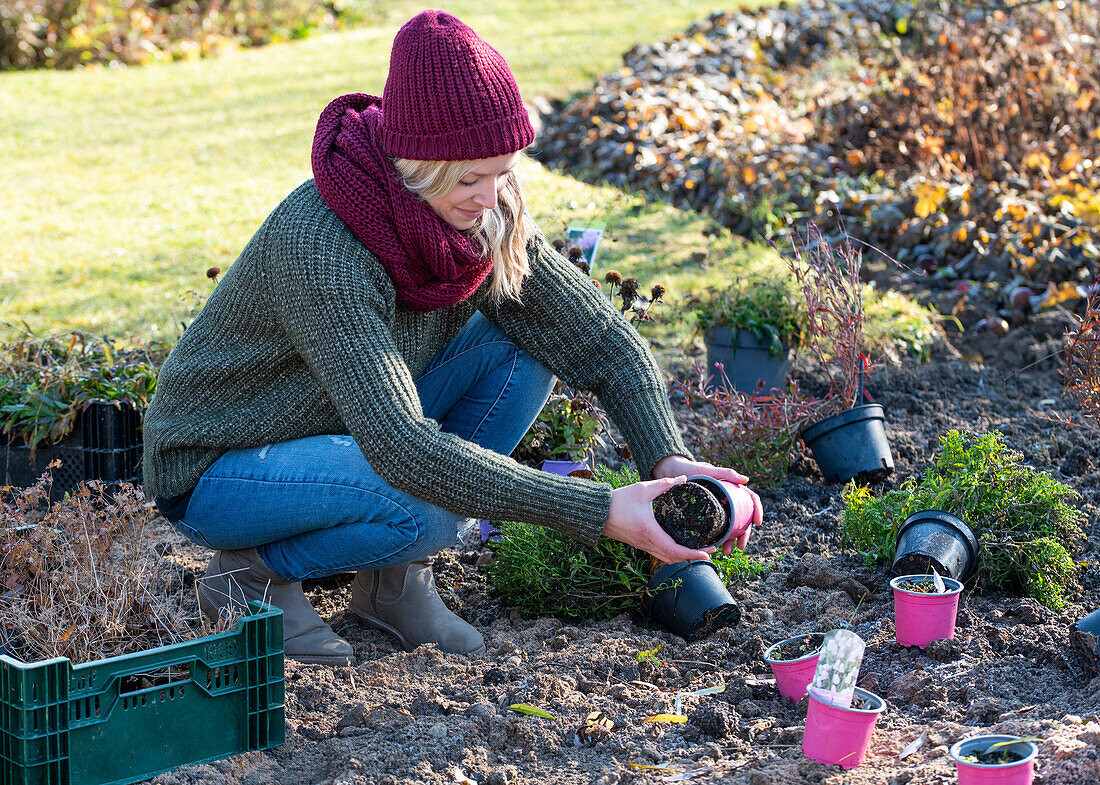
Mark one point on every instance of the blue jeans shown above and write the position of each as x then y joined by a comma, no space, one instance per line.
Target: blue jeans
314,507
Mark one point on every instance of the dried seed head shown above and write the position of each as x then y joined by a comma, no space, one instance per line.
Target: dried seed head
575,253
657,292
613,277
559,245
213,272
630,287
583,266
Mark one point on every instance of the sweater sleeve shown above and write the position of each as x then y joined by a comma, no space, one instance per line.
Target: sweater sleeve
329,294
564,321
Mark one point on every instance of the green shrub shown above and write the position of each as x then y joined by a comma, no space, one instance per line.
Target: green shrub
543,572
69,33
898,326
1025,524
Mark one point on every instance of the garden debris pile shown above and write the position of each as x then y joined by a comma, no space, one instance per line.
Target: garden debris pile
963,144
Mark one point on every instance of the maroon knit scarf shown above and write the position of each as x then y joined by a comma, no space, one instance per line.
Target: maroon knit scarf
431,263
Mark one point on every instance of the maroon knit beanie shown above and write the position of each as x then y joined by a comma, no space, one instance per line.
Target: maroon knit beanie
449,95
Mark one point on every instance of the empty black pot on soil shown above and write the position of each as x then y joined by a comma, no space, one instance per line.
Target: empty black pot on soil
1084,636
746,360
690,599
851,445
935,539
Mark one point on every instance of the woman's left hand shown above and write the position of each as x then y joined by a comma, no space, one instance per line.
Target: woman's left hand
676,465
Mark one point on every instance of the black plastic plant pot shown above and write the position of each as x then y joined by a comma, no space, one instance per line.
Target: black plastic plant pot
1085,637
690,599
746,360
851,445
935,539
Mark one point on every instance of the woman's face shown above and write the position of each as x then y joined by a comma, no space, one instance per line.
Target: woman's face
475,193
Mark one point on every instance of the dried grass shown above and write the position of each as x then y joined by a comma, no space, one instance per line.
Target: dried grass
83,578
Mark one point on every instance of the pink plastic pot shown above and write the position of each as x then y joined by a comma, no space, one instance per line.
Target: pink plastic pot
920,618
1018,772
736,503
793,676
836,735
563,467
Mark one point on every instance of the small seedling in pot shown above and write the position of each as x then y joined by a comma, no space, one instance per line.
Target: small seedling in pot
925,585
799,647
998,753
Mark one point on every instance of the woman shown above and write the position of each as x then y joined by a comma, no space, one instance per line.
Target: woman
356,381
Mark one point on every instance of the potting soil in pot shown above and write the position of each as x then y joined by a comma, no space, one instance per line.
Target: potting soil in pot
690,514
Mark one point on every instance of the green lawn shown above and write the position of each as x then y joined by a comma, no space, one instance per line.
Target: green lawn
124,185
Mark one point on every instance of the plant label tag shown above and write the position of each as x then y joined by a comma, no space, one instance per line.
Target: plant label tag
838,667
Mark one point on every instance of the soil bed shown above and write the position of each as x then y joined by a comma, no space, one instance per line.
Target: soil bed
427,717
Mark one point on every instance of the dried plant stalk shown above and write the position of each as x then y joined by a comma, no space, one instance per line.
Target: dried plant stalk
828,275
1082,353
757,434
82,579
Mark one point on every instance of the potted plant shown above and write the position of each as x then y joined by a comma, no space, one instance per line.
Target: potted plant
750,331
850,441
562,437
704,512
77,400
1023,520
541,571
925,608
840,717
995,759
793,662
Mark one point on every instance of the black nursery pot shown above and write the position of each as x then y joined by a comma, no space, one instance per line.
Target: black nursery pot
851,444
690,599
746,359
1085,636
935,538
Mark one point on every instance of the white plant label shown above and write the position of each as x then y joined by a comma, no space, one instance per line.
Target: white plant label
838,667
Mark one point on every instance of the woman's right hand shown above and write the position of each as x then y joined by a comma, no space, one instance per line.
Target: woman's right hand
631,521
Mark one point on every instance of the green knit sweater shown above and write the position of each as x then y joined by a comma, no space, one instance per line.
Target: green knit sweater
303,336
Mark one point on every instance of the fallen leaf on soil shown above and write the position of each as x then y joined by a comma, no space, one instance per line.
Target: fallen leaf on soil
666,718
913,746
535,711
597,725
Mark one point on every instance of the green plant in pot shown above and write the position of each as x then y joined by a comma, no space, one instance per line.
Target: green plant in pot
1023,522
543,572
849,441
562,437
750,331
77,399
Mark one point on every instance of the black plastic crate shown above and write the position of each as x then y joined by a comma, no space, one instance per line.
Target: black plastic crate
105,444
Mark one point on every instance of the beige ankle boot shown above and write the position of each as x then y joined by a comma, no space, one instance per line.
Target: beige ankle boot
403,601
235,577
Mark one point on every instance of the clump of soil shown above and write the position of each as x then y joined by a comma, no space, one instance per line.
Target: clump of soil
691,515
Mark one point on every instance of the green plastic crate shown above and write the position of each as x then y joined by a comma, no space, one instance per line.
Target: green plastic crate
101,723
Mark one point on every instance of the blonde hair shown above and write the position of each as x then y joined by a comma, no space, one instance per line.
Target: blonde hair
501,232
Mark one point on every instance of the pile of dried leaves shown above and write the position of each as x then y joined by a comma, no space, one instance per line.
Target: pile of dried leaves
83,578
961,141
